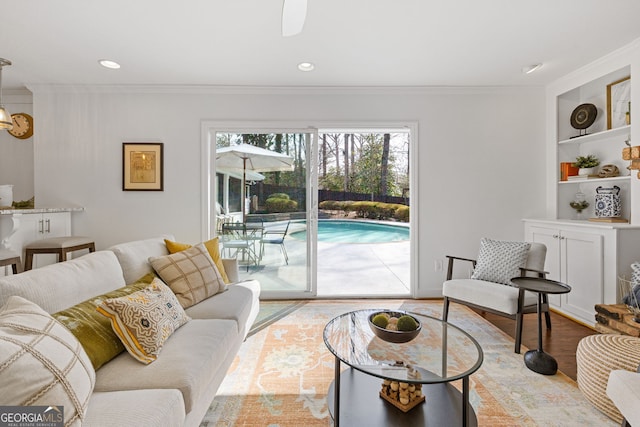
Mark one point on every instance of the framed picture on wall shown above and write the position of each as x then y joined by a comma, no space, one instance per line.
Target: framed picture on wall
142,166
618,102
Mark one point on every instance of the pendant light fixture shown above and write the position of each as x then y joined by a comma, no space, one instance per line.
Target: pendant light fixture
5,118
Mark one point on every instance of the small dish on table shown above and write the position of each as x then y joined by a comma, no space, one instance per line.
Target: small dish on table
407,327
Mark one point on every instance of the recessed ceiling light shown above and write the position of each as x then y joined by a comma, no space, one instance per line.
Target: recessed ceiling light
306,66
531,68
107,63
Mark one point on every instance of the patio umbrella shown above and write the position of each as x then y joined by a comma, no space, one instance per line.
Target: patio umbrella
245,157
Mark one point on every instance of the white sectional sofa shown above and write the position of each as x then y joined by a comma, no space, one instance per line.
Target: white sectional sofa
178,387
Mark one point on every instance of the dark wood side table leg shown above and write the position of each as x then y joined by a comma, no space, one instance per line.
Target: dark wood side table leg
336,395
465,401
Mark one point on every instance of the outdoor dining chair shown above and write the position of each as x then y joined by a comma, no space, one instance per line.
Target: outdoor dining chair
235,239
276,237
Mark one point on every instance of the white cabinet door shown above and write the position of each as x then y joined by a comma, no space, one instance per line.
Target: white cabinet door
582,260
550,237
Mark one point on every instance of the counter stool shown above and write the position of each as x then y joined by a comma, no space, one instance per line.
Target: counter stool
59,246
596,357
11,258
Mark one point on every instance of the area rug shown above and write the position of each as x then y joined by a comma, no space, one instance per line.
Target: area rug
283,370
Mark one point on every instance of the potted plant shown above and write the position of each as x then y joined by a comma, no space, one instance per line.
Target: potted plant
586,164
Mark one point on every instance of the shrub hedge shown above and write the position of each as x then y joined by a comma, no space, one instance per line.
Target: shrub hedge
280,202
372,210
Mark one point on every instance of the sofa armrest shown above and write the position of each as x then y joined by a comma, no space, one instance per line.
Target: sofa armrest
231,268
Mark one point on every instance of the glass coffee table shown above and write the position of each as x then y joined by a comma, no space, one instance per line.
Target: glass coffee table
440,354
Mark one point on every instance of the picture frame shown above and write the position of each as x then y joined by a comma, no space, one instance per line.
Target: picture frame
142,166
618,98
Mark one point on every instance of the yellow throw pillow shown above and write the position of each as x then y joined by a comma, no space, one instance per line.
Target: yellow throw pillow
92,329
212,247
145,319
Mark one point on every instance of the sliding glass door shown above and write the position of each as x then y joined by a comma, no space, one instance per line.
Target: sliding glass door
266,206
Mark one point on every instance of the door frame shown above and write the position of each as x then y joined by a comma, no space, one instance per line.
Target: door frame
209,129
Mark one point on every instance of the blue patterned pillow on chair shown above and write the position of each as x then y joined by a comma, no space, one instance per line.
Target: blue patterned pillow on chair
499,261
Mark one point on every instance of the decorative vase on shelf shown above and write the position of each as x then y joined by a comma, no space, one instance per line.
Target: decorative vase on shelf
586,171
579,203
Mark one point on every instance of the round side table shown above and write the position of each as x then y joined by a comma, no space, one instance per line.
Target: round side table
537,360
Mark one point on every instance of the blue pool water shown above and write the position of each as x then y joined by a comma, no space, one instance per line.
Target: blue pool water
336,231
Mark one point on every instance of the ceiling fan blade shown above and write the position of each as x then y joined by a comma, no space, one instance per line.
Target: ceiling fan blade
294,13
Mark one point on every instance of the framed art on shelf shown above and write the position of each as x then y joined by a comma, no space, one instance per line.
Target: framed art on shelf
142,166
618,102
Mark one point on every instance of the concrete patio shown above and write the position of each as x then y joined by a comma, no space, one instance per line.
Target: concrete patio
344,269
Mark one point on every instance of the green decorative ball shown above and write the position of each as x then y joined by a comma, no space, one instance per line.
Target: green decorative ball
407,323
380,320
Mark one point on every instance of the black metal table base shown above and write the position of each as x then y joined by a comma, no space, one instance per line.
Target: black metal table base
540,362
361,405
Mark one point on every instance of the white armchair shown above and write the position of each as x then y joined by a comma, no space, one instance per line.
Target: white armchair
489,287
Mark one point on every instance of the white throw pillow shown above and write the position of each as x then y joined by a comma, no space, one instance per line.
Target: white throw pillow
41,362
500,261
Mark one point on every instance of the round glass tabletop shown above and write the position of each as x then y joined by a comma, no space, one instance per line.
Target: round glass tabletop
441,352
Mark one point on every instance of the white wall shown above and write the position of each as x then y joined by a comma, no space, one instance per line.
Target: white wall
481,156
16,155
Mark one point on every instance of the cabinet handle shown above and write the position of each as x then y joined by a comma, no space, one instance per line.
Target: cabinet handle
48,225
555,236
562,238
41,228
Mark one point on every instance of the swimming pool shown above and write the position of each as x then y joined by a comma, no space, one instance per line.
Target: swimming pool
337,231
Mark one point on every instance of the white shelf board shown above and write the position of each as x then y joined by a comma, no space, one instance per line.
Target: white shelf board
610,133
596,180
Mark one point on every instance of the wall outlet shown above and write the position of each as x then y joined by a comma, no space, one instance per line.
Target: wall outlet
438,265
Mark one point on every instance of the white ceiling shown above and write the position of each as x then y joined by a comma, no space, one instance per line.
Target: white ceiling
351,42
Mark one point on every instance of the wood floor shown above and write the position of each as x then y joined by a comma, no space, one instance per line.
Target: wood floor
561,341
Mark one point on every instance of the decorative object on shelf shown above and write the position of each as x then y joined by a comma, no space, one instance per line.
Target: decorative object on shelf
582,117
608,171
579,203
24,204
142,166
618,102
627,116
6,196
22,126
566,170
630,291
586,164
607,202
5,117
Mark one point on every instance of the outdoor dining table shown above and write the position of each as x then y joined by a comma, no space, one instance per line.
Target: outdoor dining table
244,237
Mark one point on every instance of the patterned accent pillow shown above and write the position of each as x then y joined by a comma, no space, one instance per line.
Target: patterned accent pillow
92,329
145,319
213,248
500,261
191,274
41,362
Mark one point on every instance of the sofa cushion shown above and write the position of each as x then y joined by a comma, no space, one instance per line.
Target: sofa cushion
41,362
191,274
139,408
134,256
145,319
213,247
189,359
92,329
623,388
500,261
64,284
487,294
237,303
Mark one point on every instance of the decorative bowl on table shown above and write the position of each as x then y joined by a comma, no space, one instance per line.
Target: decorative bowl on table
397,326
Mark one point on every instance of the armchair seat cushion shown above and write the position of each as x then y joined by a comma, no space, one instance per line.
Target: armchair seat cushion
495,296
623,388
